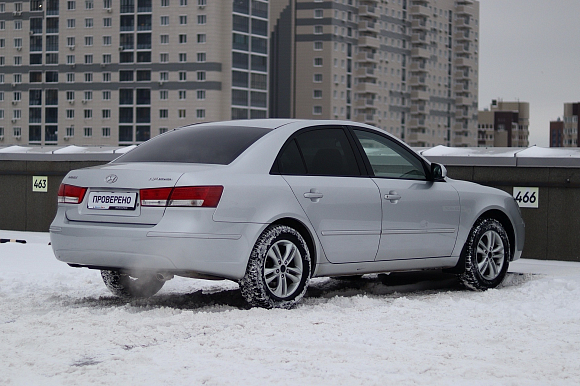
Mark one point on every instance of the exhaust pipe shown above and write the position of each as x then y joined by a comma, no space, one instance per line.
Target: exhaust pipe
163,276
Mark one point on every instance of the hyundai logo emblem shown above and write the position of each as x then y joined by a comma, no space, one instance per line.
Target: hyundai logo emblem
111,179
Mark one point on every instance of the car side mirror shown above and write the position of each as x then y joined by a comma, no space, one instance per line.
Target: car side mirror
438,172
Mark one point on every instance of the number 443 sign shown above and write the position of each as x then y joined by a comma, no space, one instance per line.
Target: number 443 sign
527,197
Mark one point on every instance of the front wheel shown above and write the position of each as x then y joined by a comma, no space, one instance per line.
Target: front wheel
127,286
278,270
487,256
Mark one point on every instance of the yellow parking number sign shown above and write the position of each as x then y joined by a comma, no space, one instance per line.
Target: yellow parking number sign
40,184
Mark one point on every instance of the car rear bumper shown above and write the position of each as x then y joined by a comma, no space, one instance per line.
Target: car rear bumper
222,250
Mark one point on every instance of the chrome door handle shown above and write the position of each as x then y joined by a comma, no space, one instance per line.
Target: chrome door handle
393,196
313,195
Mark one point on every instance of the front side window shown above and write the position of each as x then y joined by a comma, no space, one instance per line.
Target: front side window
389,159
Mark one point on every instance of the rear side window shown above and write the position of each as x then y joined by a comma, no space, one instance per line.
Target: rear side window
199,144
322,152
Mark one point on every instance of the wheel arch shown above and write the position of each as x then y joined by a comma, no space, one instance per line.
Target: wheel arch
505,221
306,234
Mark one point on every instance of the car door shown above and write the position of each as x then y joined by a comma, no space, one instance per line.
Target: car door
420,218
344,207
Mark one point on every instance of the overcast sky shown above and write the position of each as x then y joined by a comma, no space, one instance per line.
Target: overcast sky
530,51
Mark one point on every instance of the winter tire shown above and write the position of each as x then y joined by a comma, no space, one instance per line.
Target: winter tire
487,256
278,270
127,286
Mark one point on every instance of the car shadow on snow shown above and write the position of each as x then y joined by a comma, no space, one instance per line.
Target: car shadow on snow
417,283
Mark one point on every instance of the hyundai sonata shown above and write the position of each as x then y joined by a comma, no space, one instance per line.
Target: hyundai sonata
272,203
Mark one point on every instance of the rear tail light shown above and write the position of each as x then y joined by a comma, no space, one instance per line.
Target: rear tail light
190,196
69,194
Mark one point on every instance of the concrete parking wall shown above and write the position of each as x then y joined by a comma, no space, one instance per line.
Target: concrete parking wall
552,229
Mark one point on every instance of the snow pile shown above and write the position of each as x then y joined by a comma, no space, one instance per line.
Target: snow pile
59,325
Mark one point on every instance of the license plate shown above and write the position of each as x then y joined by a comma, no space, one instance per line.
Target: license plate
112,201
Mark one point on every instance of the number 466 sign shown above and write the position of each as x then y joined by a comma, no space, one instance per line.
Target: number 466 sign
527,197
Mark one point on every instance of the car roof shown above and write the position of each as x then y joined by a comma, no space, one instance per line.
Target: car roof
269,123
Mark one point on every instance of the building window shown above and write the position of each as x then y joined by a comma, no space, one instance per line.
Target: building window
164,20
182,3
182,76
318,30
70,77
106,95
316,110
70,23
106,132
201,19
89,22
18,60
88,77
106,113
317,78
164,57
89,59
183,20
200,113
17,132
164,39
164,76
317,94
107,22
70,114
182,113
107,58
88,131
201,57
89,4
107,4
165,3
183,57
201,76
200,95
317,62
88,113
182,94
201,38
317,46
88,96
182,38
163,114
163,95
71,5
318,14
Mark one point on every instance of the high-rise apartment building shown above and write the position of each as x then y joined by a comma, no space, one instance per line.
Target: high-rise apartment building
117,72
564,133
409,67
505,124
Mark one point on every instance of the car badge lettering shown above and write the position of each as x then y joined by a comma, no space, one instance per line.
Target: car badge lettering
111,179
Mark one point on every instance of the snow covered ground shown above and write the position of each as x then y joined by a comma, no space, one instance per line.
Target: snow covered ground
60,326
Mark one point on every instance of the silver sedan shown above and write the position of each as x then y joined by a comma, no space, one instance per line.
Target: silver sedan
272,203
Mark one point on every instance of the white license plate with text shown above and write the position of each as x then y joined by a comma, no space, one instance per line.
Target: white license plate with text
110,200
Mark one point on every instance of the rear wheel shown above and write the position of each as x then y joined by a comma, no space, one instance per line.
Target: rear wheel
487,256
128,286
278,270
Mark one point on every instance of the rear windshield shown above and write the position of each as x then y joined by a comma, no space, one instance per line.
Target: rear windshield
203,144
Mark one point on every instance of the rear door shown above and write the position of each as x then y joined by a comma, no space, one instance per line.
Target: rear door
420,217
343,206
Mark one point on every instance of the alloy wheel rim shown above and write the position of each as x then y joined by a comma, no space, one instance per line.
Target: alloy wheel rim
490,255
283,268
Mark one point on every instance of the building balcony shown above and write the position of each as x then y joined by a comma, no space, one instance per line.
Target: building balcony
418,67
368,11
368,87
420,10
464,62
461,75
367,57
464,10
461,88
419,25
368,26
418,38
364,103
369,41
417,95
463,23
417,123
462,101
464,36
418,110
417,81
420,53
